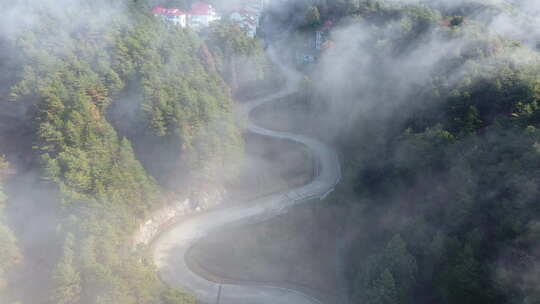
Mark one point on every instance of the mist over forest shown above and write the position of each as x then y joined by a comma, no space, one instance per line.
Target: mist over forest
117,125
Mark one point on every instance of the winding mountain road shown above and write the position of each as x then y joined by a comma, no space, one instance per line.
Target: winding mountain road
170,248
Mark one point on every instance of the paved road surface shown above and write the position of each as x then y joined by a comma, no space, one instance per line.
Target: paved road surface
171,247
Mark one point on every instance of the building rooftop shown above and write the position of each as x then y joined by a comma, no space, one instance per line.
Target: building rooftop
326,27
201,8
197,8
160,10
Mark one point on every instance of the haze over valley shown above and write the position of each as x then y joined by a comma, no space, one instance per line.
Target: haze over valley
269,151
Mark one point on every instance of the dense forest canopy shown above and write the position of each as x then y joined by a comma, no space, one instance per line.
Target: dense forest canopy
126,113
434,107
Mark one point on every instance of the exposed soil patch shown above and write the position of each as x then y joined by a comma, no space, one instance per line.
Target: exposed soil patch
297,249
290,114
270,166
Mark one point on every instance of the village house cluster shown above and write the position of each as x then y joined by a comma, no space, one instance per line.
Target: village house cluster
315,45
202,14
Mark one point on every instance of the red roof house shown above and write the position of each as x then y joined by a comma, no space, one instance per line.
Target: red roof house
173,15
200,15
201,8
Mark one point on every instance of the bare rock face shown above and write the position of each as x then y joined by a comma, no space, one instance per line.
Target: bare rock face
167,216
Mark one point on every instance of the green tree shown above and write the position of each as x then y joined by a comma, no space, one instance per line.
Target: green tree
463,280
66,278
383,290
173,296
313,17
402,264
10,254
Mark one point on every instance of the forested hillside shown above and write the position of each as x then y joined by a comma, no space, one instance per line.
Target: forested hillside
9,252
435,109
125,113
433,105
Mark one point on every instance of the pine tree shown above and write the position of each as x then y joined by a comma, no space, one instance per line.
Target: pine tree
383,290
313,17
66,279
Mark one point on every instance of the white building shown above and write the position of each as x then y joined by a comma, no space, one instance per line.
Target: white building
321,35
202,14
173,15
